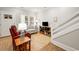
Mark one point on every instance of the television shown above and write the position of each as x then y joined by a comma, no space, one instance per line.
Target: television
44,23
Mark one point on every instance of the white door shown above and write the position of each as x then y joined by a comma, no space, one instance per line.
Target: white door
5,25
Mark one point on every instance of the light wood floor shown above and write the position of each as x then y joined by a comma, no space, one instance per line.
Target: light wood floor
40,42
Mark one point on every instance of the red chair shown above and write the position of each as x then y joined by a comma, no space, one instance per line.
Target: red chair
15,35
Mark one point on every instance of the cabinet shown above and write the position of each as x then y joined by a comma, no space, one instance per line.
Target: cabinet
45,30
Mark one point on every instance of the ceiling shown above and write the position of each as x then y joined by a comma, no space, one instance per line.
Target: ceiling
35,9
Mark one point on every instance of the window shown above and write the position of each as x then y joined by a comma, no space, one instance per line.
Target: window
30,22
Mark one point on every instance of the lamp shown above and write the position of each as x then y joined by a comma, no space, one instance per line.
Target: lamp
22,28
22,25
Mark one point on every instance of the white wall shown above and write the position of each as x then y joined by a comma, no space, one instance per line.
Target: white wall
16,13
69,41
63,15
5,24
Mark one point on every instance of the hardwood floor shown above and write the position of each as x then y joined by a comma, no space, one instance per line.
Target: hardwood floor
39,42
6,44
51,47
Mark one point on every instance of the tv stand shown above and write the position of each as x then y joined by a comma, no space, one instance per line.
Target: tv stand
46,30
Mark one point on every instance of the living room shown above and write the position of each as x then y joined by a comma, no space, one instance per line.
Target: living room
44,25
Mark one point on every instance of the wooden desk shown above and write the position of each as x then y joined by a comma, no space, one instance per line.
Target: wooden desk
22,43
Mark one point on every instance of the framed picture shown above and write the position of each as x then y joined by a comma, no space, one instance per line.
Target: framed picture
10,16
7,16
55,19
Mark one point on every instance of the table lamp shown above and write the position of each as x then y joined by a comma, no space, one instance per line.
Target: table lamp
22,27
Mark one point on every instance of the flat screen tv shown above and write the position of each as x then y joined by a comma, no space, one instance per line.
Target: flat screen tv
44,23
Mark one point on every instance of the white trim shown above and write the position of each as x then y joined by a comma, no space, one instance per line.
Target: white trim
65,47
5,36
68,18
67,30
68,24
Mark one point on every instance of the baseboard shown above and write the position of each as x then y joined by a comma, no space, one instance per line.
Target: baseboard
65,47
5,36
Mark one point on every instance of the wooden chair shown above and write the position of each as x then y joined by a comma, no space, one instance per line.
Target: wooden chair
15,35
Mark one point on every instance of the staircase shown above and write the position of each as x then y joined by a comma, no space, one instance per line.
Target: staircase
65,29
